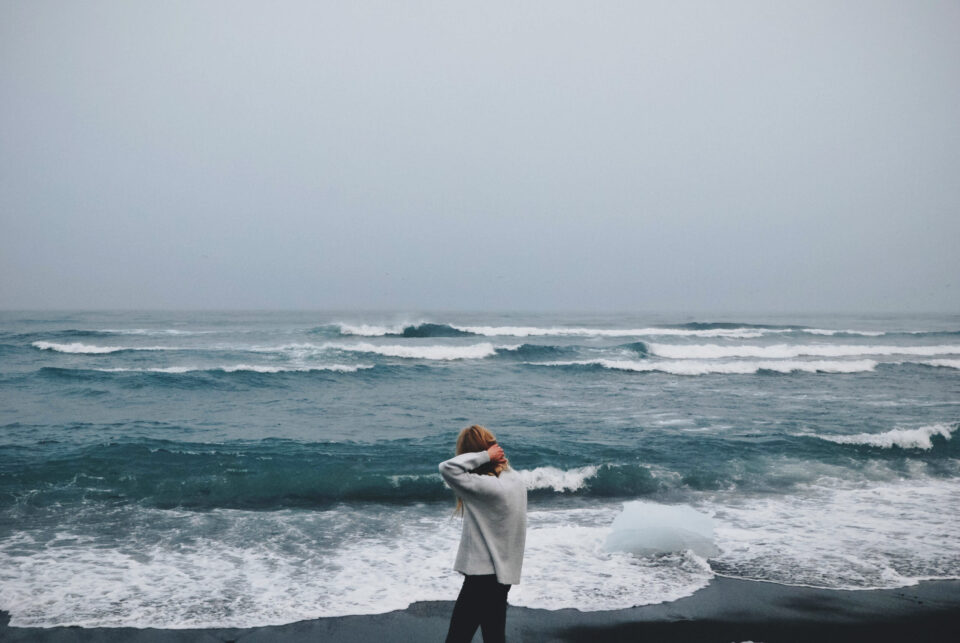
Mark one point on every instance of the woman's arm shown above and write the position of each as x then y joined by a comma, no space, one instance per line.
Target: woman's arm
456,471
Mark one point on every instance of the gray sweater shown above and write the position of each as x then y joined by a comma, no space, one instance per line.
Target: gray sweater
494,518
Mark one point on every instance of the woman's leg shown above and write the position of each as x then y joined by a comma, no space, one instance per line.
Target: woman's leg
467,611
493,619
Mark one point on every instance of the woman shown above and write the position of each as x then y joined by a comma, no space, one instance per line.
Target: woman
492,499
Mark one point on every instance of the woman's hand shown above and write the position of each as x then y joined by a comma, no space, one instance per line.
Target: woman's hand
496,454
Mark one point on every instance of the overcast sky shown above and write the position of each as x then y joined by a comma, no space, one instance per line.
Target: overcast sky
652,156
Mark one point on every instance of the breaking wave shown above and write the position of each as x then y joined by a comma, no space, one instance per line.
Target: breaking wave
535,331
730,330
434,352
705,367
253,368
942,363
919,438
640,348
427,329
369,330
533,351
420,329
782,351
274,474
88,349
557,479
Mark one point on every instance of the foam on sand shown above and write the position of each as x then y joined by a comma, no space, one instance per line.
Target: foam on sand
260,568
566,564
840,535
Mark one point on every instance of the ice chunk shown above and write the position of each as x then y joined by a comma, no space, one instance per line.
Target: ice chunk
645,528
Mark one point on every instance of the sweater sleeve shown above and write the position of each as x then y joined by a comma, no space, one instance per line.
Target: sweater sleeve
456,473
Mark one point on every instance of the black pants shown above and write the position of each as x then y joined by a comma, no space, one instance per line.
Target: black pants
482,601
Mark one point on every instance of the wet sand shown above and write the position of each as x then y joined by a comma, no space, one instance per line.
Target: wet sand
726,611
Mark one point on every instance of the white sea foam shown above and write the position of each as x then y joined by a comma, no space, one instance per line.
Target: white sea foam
535,331
254,368
783,351
943,363
746,332
737,367
919,438
76,347
233,568
372,330
888,534
826,331
306,350
261,568
165,369
557,479
413,351
566,564
156,331
677,422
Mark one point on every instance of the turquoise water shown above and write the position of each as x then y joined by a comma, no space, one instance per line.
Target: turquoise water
192,469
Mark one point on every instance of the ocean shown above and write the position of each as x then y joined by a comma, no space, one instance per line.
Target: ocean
231,469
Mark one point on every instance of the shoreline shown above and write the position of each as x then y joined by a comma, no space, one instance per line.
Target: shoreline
727,610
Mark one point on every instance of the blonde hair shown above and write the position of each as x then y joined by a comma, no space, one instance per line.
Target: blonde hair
478,438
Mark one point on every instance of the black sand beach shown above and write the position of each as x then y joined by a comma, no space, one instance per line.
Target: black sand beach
727,610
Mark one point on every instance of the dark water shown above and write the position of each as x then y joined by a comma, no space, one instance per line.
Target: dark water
188,469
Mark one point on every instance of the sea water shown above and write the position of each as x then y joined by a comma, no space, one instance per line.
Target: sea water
239,469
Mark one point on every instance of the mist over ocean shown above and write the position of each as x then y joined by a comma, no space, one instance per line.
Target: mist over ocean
239,469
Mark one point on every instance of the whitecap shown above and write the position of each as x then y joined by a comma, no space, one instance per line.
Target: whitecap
371,330
77,347
535,331
154,331
826,331
919,438
269,568
781,351
413,351
942,363
254,368
842,535
738,367
557,479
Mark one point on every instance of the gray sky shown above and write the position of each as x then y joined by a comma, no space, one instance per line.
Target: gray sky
763,156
